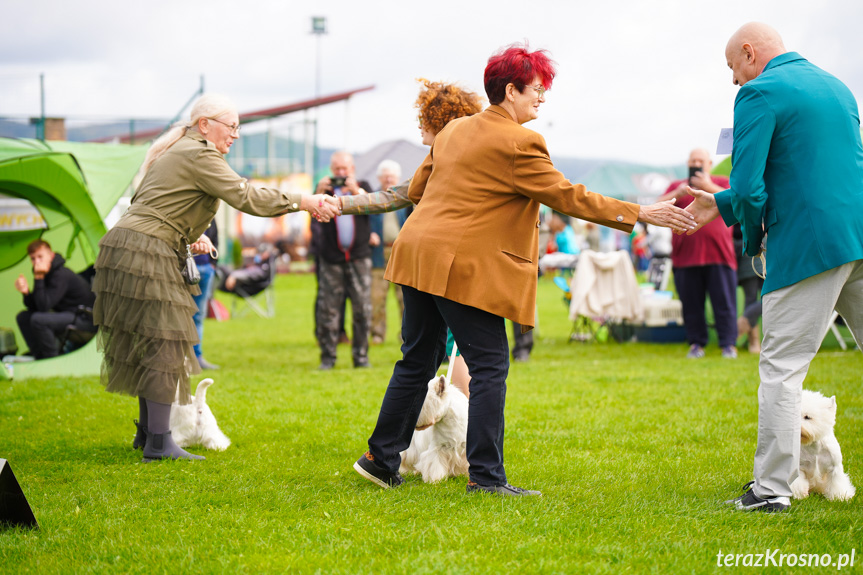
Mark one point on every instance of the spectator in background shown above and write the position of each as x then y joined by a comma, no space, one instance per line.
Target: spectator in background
206,267
704,263
344,270
639,246
747,324
51,304
563,247
384,229
254,277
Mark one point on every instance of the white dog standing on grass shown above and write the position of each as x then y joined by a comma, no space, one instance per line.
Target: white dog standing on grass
195,423
820,457
438,447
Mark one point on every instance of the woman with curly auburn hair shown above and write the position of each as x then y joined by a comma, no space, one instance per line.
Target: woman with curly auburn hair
467,258
438,103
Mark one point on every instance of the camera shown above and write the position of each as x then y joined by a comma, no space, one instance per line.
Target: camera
692,172
337,182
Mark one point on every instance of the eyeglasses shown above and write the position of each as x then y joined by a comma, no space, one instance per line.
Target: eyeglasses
235,128
540,90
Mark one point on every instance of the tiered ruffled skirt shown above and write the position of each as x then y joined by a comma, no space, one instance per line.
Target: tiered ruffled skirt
144,311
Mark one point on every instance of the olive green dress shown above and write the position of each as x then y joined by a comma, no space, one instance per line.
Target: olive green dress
143,306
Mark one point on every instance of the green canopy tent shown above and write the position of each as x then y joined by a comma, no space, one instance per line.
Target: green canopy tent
70,187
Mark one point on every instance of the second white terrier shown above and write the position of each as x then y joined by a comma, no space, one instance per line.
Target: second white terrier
195,423
820,457
438,447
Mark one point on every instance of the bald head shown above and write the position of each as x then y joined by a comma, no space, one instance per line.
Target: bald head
750,49
342,164
700,158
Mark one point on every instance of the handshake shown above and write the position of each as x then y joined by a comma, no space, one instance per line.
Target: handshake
322,207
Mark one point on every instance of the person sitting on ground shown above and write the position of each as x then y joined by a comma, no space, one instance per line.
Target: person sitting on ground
51,305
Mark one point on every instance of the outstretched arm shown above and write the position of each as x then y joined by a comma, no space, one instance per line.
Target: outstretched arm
703,208
667,215
393,199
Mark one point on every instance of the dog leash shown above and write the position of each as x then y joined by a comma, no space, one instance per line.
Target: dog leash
451,362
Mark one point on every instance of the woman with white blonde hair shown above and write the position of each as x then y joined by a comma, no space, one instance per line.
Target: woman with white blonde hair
144,306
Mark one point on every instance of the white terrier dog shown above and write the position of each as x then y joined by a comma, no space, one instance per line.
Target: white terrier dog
820,458
437,450
195,423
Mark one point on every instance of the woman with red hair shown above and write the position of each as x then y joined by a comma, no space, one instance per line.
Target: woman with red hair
467,259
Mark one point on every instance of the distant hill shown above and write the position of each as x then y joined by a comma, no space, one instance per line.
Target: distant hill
81,133
616,178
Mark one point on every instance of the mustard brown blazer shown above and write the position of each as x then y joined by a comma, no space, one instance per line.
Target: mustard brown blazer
473,236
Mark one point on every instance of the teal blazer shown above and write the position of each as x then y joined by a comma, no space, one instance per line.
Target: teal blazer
798,169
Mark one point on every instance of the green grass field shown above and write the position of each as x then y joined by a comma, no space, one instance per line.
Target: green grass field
633,446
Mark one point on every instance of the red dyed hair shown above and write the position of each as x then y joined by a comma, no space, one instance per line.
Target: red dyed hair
517,65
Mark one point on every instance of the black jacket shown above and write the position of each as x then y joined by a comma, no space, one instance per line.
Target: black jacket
327,246
60,290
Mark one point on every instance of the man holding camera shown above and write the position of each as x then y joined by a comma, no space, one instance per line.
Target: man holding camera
344,268
705,263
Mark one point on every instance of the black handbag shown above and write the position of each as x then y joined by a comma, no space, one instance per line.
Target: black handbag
190,269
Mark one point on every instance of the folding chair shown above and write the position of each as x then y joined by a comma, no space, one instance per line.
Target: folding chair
836,333
659,272
261,298
604,293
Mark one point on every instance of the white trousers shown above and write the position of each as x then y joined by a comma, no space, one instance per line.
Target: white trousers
795,322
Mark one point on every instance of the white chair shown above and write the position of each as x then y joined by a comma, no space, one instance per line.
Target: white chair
836,333
604,291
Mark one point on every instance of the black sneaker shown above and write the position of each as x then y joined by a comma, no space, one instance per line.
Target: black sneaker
751,502
327,364
367,467
505,489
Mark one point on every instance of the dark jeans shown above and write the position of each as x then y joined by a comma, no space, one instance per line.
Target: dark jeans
207,271
693,284
481,339
41,329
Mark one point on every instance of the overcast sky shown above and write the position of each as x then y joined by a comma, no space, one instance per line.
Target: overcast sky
637,80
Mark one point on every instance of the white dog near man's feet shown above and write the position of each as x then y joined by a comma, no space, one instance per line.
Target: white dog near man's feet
820,457
195,424
438,447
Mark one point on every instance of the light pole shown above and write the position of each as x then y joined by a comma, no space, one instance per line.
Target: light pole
319,28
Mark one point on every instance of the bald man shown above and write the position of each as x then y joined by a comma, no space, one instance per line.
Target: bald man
704,263
797,178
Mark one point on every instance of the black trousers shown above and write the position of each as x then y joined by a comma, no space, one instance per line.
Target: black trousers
481,339
693,284
41,330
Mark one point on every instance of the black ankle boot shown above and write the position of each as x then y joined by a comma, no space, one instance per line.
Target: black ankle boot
162,446
140,436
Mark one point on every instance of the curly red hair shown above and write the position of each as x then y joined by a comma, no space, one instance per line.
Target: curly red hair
439,103
516,65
